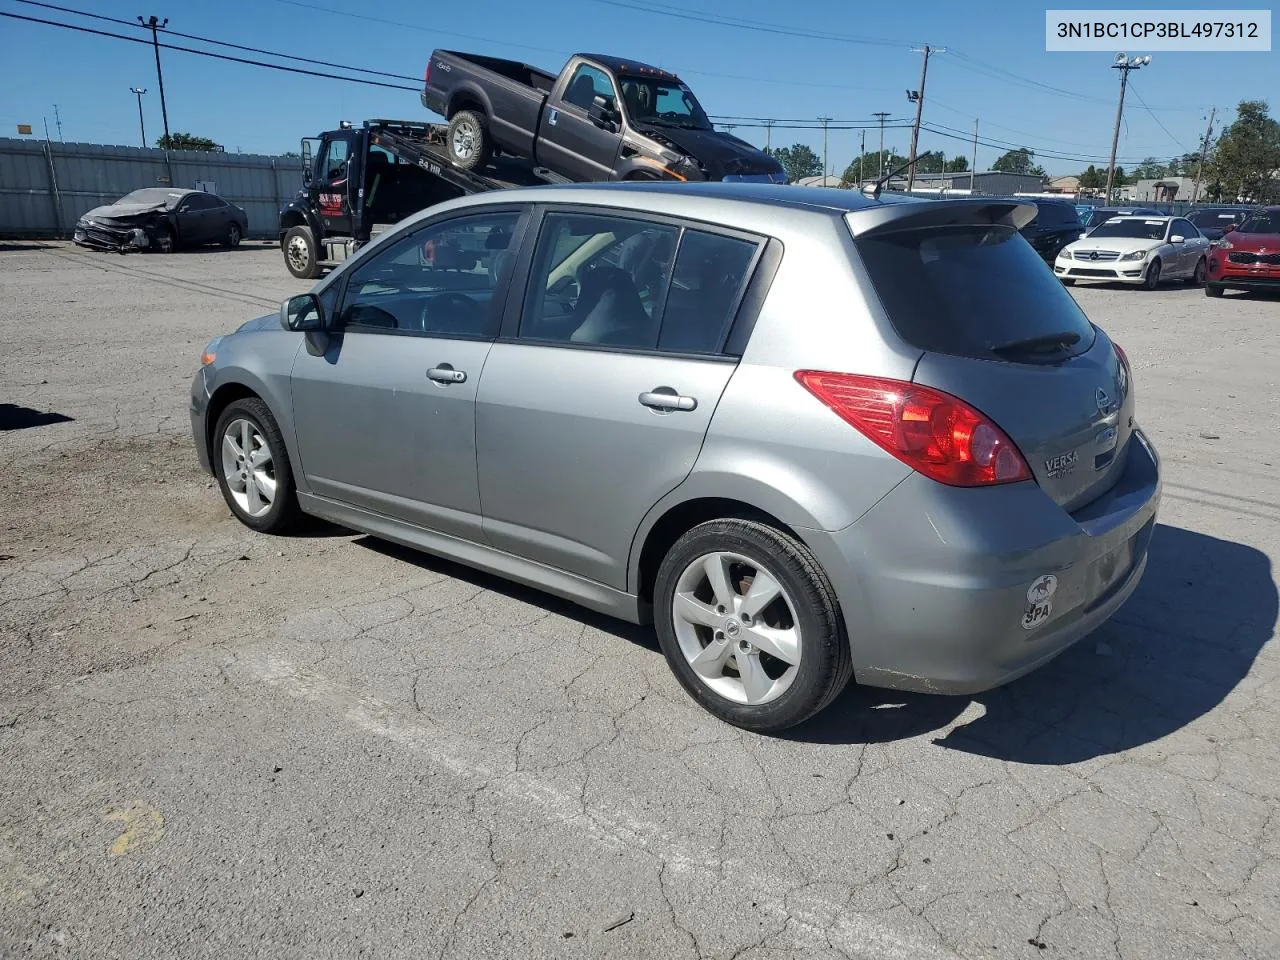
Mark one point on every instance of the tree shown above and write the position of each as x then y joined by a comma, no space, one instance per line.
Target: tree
1150,169
799,161
871,166
931,161
187,141
1247,155
1019,161
1120,179
1093,178
958,164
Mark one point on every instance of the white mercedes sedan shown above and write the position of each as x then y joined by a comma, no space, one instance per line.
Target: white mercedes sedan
1137,250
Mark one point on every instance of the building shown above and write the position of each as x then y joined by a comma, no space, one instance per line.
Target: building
993,183
1069,185
828,181
1164,190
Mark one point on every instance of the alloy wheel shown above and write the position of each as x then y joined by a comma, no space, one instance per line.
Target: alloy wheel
248,467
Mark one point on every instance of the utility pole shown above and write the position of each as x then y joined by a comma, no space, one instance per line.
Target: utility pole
862,152
880,157
1124,65
917,97
57,120
973,166
139,91
768,135
1204,149
154,25
825,171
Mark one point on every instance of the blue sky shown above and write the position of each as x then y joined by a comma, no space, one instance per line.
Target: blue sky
994,60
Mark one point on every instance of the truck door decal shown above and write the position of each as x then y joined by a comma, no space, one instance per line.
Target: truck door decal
330,204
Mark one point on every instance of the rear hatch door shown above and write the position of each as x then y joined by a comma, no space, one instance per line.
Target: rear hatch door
999,331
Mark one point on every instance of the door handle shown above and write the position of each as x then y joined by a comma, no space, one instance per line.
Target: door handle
446,374
665,399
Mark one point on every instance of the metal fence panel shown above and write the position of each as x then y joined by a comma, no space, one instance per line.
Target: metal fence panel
45,187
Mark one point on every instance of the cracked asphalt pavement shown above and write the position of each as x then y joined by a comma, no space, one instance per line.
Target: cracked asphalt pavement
216,743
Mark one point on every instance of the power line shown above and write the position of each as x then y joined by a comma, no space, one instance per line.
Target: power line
210,53
1157,119
1048,153
967,137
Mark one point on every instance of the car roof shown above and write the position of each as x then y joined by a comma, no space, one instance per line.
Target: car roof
1143,216
621,65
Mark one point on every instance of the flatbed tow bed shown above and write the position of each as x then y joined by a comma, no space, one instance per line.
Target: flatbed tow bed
361,180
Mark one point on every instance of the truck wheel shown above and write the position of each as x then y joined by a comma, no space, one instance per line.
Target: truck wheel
469,145
300,253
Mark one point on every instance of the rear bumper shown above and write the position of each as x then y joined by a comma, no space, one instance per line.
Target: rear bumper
934,581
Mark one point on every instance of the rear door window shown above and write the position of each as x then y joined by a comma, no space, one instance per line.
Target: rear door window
1057,215
974,291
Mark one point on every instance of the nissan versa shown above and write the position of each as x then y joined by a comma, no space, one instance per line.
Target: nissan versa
811,434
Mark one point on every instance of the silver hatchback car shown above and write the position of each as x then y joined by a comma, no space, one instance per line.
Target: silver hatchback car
811,434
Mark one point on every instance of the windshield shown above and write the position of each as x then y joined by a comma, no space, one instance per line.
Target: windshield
1261,223
152,195
971,291
663,102
1132,227
1216,218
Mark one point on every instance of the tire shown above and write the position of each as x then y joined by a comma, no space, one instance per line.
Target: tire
300,253
243,475
166,242
1213,290
1152,279
233,237
1068,282
468,141
781,692
1197,278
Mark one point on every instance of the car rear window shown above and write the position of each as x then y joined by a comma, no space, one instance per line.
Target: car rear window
1057,214
970,291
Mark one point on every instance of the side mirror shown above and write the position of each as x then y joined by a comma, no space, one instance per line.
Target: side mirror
302,312
1177,238
307,158
602,111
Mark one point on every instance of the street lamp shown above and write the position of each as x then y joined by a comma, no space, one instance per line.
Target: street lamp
1124,65
139,91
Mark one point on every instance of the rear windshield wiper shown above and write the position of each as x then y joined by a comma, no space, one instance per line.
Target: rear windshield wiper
1045,343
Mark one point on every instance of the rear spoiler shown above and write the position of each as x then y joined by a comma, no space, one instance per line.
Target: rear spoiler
892,217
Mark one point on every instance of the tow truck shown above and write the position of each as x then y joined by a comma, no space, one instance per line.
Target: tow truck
357,181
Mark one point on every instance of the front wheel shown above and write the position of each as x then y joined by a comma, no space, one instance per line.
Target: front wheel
1197,279
166,242
1152,279
232,238
300,253
469,145
750,625
253,467
1068,282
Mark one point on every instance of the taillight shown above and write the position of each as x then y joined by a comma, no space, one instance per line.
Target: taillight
426,77
930,431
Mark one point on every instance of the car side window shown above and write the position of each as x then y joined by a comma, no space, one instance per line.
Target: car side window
588,83
1186,229
440,280
335,164
710,276
599,280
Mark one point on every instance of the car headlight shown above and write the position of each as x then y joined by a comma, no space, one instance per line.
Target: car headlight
1136,255
210,352
1224,244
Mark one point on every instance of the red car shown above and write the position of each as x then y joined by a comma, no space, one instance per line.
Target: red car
1248,256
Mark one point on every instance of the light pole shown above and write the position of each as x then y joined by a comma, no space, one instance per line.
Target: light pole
917,97
880,157
139,91
1124,65
153,24
825,121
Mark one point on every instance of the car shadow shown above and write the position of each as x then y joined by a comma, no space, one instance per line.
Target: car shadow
8,246
1188,635
14,417
634,633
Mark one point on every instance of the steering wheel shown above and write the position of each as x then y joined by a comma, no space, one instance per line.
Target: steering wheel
461,313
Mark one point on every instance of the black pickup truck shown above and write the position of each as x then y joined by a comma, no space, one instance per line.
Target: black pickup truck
602,118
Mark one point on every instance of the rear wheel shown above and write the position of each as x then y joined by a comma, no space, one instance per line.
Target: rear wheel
1213,290
1197,278
1152,279
750,625
469,145
232,239
1068,282
300,253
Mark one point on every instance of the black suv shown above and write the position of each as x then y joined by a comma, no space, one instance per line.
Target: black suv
1054,226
